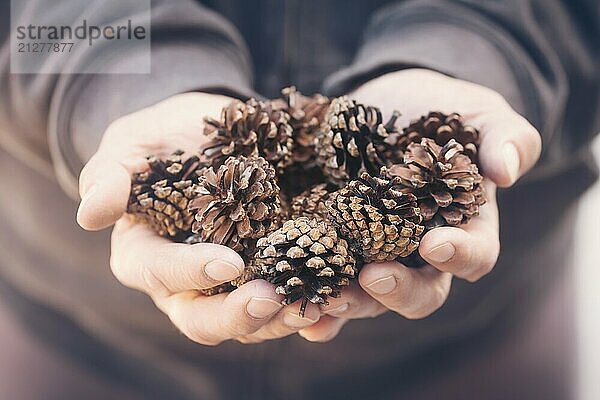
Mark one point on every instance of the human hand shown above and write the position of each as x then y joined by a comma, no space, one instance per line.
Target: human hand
509,147
172,273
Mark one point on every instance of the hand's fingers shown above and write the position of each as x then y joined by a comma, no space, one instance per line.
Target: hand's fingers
411,292
142,260
214,319
469,251
104,186
510,145
353,303
325,330
286,322
104,182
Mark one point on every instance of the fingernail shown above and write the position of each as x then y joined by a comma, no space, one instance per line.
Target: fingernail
442,253
261,307
221,270
295,321
511,160
338,310
383,285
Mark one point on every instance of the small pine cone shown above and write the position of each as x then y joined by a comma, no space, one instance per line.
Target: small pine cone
307,114
441,128
353,140
249,129
236,204
446,182
380,222
305,259
312,203
159,197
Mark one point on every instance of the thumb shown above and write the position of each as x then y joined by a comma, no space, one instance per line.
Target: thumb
104,186
510,146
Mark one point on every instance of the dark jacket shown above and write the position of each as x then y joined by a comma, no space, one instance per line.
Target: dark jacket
542,55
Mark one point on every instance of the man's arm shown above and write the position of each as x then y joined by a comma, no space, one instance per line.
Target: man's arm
506,70
529,51
193,48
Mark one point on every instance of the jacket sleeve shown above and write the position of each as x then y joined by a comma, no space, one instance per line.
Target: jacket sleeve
63,116
529,51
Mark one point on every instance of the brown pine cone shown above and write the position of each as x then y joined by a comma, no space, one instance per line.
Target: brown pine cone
249,129
236,204
446,182
160,196
311,203
353,140
305,259
380,222
307,114
441,128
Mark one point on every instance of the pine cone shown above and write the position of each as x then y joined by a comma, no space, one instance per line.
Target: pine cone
446,182
441,128
249,129
353,140
380,222
311,203
306,260
236,204
307,114
160,196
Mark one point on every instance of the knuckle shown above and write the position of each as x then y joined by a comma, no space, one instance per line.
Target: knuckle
376,310
464,255
116,266
534,140
419,312
327,338
249,340
191,327
153,283
116,127
488,263
495,99
241,326
421,309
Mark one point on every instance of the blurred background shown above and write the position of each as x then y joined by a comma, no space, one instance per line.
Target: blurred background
588,291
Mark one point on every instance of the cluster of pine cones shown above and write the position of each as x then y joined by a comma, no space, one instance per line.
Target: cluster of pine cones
308,189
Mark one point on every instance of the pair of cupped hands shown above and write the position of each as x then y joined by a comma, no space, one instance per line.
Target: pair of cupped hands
172,273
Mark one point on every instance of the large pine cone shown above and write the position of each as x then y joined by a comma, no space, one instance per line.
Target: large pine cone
441,128
312,203
306,260
249,129
353,140
307,114
236,204
160,196
446,182
380,221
